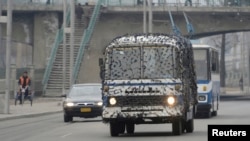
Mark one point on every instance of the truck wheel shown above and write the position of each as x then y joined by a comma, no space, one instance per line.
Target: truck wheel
67,118
190,126
130,128
122,127
177,127
114,129
184,124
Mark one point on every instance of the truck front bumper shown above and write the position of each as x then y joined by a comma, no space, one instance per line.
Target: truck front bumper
150,112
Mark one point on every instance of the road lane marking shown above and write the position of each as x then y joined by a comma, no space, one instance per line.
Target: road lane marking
63,136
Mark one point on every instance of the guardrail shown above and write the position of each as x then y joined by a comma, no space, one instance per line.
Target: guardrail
180,3
15,2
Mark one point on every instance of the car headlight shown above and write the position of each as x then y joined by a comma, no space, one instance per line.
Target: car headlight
171,100
99,103
112,101
69,104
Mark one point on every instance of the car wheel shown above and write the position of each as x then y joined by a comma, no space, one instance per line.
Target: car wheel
68,118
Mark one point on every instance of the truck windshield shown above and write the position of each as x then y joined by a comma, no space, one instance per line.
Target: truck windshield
141,63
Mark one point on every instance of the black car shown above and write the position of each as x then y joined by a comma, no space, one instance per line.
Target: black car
83,100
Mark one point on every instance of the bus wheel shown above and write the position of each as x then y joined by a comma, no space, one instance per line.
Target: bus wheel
214,113
209,114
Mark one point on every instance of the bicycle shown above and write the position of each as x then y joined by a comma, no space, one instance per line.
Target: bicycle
20,96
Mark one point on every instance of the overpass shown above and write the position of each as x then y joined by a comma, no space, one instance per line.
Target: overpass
35,25
207,19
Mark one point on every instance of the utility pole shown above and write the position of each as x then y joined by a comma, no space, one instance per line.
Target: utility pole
8,49
150,17
64,43
144,17
242,61
248,61
72,31
222,62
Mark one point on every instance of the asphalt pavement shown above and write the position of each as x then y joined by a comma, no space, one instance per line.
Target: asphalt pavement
50,105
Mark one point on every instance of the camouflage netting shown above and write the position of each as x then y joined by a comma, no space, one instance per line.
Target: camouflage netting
151,56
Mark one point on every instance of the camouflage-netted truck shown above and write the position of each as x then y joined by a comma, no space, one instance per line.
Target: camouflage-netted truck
149,79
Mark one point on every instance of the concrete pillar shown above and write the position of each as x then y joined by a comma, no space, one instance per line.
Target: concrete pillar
31,75
13,82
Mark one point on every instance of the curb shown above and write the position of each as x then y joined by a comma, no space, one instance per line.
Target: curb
29,115
234,97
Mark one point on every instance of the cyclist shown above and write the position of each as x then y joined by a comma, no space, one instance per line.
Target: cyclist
24,82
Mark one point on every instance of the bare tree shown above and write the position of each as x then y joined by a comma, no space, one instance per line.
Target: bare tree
225,43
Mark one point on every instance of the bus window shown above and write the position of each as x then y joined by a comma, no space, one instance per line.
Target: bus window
215,61
201,64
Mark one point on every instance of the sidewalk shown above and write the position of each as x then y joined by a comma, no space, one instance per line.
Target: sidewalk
40,106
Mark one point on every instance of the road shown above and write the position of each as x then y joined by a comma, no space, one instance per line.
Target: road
52,127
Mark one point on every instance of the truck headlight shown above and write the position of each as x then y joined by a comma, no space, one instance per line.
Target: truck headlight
171,100
112,101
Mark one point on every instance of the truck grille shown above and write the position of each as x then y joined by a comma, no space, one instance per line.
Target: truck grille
140,100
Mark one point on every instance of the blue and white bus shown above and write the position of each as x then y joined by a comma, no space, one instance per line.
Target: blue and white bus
208,79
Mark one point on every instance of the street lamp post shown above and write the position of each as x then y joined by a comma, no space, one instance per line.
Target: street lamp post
8,46
64,43
144,17
150,17
72,29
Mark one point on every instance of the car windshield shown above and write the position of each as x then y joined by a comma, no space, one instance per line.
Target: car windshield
90,92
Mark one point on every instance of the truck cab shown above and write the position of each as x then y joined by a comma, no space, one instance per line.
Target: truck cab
148,79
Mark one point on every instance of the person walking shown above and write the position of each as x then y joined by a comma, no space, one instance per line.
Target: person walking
241,84
87,14
79,11
188,1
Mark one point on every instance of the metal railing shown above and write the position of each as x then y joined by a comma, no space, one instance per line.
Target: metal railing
180,3
57,42
16,2
86,38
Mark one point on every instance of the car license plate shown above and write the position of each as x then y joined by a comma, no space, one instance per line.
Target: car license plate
85,109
